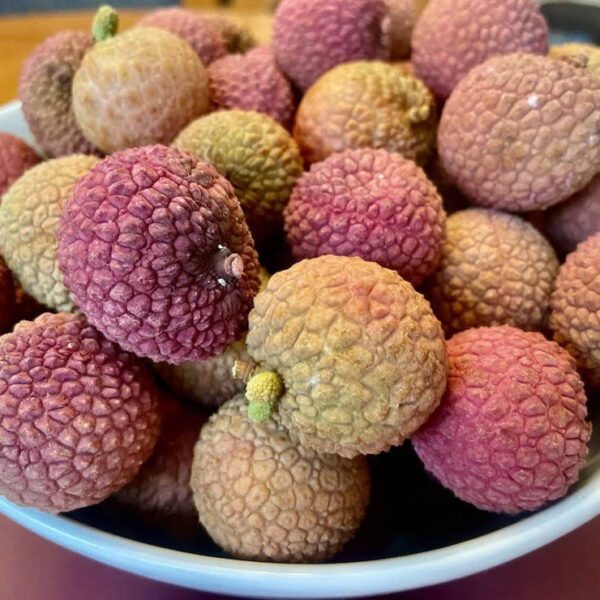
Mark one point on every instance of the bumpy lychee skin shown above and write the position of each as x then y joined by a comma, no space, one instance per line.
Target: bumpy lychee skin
208,382
453,36
197,31
494,269
261,496
575,316
511,432
29,219
252,81
154,248
366,105
237,39
8,305
368,203
575,219
402,18
45,93
579,51
139,87
256,154
360,352
311,37
161,490
78,414
521,132
15,158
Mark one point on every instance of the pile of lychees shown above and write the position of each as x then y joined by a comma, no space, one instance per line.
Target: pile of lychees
178,155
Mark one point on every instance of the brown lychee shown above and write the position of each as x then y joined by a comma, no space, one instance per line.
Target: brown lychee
574,220
366,105
15,158
190,26
78,415
45,92
358,352
522,132
261,496
161,489
256,154
138,87
252,81
453,36
494,269
575,302
29,218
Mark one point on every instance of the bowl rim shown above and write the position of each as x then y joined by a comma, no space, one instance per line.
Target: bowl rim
330,580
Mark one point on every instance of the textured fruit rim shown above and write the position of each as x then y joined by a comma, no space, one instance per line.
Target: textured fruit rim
263,580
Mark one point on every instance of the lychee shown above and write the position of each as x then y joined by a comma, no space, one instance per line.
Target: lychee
311,37
261,496
15,158
511,432
139,87
366,105
494,269
256,154
522,132
252,81
586,53
453,36
155,251
575,219
575,303
161,490
29,218
78,415
358,351
368,203
197,31
45,93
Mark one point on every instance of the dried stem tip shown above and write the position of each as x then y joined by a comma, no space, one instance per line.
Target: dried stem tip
243,370
105,23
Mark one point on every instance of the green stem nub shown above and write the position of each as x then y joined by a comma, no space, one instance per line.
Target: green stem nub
263,390
105,23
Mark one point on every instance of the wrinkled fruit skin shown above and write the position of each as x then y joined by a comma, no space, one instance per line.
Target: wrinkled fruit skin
311,37
368,203
494,269
208,382
161,489
261,496
453,36
575,219
366,105
15,158
29,219
511,433
520,132
402,18
144,245
119,105
236,39
191,27
360,352
578,51
252,81
8,305
256,154
45,91
575,316
78,414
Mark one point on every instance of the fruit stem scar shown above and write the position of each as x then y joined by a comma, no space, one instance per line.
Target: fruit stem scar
417,114
105,23
228,265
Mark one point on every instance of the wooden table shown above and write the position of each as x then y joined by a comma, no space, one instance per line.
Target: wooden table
19,35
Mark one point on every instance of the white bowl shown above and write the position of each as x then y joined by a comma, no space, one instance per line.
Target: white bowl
396,474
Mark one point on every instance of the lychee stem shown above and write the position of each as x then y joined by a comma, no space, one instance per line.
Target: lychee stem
105,23
243,370
228,265
263,390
